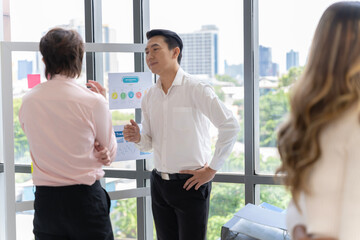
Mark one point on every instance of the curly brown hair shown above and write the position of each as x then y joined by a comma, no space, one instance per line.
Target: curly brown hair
62,52
329,86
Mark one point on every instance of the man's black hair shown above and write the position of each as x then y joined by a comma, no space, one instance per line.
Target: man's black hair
171,38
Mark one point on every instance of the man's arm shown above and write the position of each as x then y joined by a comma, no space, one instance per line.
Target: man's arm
142,140
209,104
105,136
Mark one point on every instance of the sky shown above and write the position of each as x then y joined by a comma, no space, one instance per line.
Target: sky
283,24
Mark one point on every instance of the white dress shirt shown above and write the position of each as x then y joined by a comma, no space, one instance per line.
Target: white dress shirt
176,125
331,208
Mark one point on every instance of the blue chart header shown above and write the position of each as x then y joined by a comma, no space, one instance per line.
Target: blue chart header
132,79
119,134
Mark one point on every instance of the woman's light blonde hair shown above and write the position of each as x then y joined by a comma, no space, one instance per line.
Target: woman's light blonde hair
329,85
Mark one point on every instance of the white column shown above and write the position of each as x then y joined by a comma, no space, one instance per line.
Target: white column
7,179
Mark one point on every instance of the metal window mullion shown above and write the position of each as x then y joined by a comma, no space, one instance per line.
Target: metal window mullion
89,38
93,33
142,214
251,96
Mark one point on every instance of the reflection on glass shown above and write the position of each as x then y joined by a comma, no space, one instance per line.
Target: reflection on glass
124,219
225,200
275,195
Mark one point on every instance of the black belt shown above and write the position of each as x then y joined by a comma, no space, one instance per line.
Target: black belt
173,176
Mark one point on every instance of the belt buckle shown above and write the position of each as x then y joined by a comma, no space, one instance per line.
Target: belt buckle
165,176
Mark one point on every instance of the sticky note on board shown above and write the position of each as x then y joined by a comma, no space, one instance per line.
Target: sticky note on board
33,80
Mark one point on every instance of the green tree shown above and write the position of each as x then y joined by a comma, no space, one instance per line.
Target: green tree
21,146
273,109
120,118
275,195
289,78
225,200
219,92
124,218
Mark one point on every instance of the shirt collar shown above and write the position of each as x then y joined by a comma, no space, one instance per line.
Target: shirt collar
62,78
177,80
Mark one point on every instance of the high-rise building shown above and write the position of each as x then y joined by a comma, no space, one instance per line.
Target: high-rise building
292,59
236,71
265,61
200,52
111,63
24,68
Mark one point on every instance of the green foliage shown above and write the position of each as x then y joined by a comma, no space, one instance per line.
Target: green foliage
225,200
269,165
235,163
275,195
219,92
119,118
273,109
227,78
124,218
289,78
21,147
239,102
214,226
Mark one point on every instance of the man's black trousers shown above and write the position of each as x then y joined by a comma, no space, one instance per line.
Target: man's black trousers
75,212
179,214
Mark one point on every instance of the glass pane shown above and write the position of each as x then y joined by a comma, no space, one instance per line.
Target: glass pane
274,195
24,225
283,52
24,190
124,219
225,200
213,51
117,20
30,20
116,62
117,184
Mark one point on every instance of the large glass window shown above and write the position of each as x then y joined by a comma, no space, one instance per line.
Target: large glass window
213,51
117,21
30,20
285,36
225,200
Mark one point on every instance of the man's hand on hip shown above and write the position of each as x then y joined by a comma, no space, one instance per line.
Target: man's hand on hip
200,177
132,132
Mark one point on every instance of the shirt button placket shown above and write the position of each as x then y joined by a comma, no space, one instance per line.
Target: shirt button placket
165,132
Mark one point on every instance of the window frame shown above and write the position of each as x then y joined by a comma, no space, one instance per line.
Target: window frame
93,31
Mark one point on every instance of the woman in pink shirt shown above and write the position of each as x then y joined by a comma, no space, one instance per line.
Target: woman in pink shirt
70,135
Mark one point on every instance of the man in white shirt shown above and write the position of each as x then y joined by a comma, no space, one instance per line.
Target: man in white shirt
176,116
